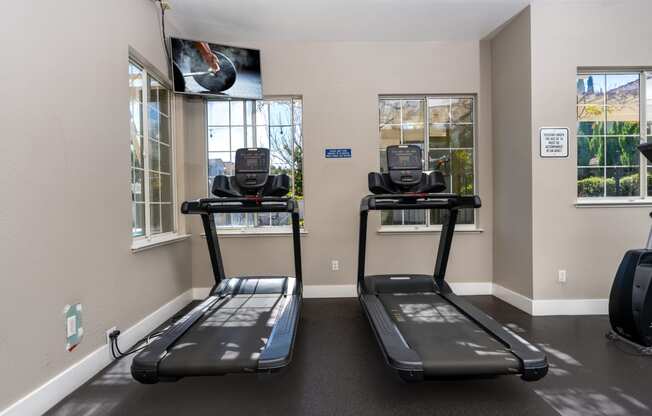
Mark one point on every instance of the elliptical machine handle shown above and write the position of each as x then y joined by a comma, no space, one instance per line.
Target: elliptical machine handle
649,237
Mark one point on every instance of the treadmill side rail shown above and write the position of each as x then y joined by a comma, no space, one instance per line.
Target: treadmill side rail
397,352
278,351
533,360
144,367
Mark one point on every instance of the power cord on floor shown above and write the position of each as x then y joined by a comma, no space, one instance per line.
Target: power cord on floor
117,353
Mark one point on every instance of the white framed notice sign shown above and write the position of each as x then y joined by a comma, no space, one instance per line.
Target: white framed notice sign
553,142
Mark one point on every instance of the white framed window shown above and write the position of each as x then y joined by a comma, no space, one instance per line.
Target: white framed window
614,115
444,127
152,156
273,123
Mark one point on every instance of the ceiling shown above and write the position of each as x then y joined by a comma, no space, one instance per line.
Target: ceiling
341,20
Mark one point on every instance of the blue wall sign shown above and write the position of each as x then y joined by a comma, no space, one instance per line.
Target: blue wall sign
338,153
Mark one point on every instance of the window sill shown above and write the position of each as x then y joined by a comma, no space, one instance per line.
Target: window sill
143,244
409,229
256,232
612,203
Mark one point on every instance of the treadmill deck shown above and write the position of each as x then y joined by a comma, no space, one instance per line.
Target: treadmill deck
248,325
228,339
448,343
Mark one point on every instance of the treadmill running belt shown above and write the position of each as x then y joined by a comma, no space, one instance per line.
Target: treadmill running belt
448,343
228,339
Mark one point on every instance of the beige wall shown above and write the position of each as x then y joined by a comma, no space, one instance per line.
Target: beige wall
512,161
340,84
588,242
64,168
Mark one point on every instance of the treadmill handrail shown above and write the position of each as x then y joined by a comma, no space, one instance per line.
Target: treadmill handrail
418,201
451,203
239,204
206,207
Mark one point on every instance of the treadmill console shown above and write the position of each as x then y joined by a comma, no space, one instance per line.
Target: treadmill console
251,177
251,168
405,165
405,173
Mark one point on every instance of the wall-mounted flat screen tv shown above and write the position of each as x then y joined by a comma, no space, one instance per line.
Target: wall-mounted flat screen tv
218,70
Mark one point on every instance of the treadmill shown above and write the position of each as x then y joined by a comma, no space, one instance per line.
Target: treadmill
424,330
246,324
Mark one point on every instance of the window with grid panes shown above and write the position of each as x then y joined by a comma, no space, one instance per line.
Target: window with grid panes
444,128
152,189
273,123
611,108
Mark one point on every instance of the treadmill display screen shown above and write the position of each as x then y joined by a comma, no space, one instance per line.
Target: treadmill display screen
252,161
404,158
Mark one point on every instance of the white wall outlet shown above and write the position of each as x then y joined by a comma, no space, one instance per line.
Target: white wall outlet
561,276
335,265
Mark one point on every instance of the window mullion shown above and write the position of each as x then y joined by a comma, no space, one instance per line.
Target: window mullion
604,136
146,153
254,122
400,120
426,147
230,128
244,121
642,107
173,160
294,191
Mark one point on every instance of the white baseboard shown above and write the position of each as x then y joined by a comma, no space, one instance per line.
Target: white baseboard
515,299
54,390
471,288
553,307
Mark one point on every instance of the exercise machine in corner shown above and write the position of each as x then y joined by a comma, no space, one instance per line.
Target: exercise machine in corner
246,324
630,301
424,330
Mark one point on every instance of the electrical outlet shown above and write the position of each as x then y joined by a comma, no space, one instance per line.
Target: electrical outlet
335,265
561,276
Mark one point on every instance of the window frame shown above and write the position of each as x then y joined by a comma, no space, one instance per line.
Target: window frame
149,72
428,227
269,230
643,198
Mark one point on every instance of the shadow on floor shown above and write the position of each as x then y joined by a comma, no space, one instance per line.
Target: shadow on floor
338,370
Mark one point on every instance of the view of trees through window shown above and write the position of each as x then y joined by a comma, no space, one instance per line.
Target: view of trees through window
609,120
444,128
273,123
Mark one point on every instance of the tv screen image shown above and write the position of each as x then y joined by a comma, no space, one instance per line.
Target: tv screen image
210,69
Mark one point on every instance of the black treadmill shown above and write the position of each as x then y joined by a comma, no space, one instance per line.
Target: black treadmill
424,330
246,324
